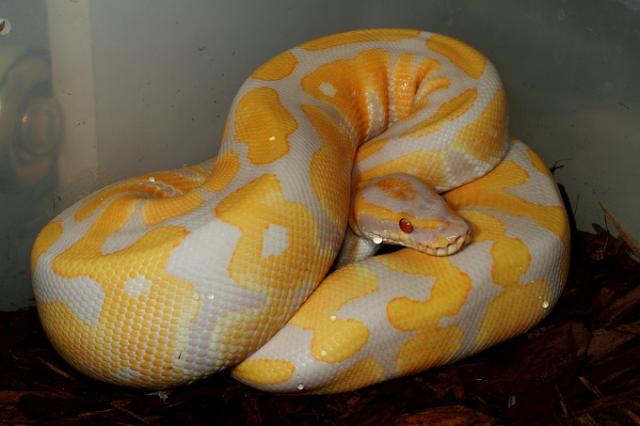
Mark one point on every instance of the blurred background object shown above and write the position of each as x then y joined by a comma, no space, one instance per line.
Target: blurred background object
30,119
31,130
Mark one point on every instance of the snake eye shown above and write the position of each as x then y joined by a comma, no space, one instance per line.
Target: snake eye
405,226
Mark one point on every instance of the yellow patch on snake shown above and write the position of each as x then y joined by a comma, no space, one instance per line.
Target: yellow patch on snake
225,169
46,238
155,211
484,138
264,124
461,54
277,68
332,162
131,346
431,347
367,71
432,344
448,111
264,371
177,181
431,86
396,188
519,305
134,188
370,148
428,166
336,339
538,163
253,209
493,192
91,204
406,79
362,373
511,257
359,37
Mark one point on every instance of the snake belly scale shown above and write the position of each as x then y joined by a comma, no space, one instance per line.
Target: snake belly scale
163,279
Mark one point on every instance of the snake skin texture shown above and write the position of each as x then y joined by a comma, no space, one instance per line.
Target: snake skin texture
162,279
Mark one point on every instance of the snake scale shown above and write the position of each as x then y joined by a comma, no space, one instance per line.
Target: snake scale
162,279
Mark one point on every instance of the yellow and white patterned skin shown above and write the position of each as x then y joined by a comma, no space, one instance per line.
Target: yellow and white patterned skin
163,279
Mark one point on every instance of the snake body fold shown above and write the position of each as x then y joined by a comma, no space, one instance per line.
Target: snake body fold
162,279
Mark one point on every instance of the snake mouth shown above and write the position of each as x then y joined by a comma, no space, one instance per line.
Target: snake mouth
453,247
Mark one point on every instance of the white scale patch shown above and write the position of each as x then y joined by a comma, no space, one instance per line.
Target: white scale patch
328,89
82,295
137,286
274,241
202,259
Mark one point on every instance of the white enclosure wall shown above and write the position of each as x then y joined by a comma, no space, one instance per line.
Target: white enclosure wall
145,85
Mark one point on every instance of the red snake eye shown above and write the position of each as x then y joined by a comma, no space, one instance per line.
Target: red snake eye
405,226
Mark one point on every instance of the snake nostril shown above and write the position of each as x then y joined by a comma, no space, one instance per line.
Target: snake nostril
405,226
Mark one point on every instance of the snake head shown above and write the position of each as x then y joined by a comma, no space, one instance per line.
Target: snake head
402,210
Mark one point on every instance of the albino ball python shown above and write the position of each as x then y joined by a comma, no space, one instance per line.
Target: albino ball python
163,279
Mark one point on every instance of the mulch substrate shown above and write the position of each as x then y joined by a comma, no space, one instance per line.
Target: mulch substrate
580,366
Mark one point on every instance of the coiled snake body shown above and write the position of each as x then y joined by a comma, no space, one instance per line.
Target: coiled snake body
162,279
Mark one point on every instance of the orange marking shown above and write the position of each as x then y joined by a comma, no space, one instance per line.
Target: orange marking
485,138
177,181
370,148
331,165
155,211
264,371
359,37
511,257
352,79
435,84
336,339
492,192
264,124
511,260
432,344
364,372
461,54
45,239
277,68
427,166
252,209
538,164
397,188
404,85
407,79
225,169
518,305
448,111
150,351
436,346
133,188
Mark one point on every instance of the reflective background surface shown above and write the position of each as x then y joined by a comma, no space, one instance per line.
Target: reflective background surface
95,91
